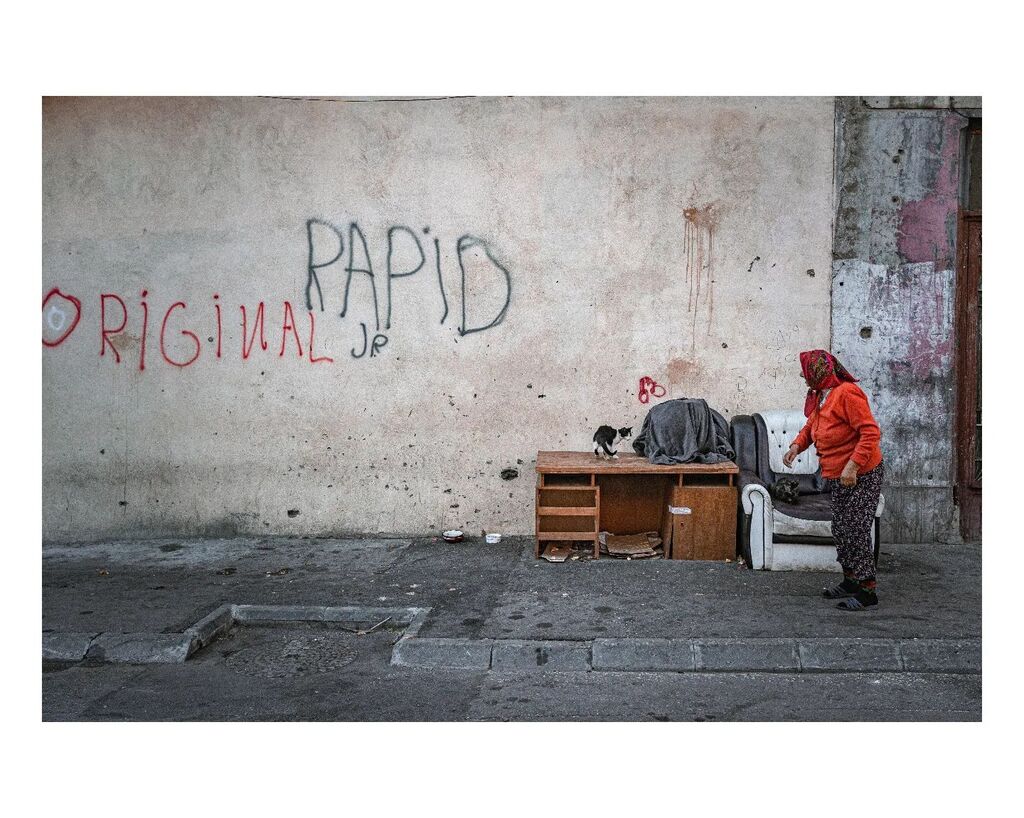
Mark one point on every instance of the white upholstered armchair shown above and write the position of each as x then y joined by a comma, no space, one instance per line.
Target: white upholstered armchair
776,535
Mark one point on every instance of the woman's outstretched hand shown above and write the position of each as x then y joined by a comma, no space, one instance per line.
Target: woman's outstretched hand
849,476
790,456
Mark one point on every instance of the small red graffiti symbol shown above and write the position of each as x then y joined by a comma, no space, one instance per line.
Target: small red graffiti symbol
650,388
56,318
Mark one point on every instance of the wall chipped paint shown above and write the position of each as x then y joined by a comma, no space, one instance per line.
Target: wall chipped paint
897,181
544,256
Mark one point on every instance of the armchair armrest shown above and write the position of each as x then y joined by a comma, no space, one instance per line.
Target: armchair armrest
756,540
750,484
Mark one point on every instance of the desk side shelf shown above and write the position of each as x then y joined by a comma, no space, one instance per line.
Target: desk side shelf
568,513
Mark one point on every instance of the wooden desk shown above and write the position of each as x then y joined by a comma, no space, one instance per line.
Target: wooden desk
580,495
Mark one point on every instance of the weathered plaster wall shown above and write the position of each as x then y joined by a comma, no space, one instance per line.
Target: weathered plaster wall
897,194
605,239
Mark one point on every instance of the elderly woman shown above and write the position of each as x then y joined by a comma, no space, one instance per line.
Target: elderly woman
842,428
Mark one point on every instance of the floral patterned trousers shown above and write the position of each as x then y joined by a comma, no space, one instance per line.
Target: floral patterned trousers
853,515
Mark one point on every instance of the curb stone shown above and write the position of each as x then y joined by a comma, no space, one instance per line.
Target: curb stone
356,614
66,647
644,655
867,655
546,655
441,653
941,655
142,648
211,626
766,655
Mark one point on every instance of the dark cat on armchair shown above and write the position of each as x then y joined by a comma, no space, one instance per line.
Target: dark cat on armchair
607,437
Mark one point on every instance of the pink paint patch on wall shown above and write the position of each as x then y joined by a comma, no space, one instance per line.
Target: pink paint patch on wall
931,317
927,227
912,310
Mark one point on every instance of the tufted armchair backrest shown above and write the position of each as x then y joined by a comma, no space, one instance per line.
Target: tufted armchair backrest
782,425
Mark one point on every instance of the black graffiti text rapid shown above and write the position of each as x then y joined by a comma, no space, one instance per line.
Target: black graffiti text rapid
336,255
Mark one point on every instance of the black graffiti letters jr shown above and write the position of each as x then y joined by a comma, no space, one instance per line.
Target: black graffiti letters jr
380,340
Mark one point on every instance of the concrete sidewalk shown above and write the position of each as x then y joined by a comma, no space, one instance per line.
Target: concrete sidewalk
488,610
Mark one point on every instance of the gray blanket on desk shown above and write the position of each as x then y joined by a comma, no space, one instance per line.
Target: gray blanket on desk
685,430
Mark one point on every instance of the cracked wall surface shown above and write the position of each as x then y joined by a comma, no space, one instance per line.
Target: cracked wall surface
893,283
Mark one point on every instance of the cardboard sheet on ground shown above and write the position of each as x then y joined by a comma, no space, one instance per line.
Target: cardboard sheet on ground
631,546
557,552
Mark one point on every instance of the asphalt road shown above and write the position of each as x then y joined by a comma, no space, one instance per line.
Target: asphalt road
305,672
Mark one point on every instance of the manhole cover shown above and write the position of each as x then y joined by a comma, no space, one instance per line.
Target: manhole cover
280,654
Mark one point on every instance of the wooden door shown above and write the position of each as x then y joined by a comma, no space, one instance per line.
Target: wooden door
968,354
708,531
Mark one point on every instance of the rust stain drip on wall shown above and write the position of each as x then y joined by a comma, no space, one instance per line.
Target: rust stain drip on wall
699,225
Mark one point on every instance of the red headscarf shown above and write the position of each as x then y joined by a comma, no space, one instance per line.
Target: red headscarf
822,371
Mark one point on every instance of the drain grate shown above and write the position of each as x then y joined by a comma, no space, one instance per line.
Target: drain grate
283,653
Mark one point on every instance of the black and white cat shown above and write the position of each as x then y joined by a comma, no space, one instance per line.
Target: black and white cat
606,438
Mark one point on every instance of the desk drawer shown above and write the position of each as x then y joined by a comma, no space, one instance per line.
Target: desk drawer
567,500
548,479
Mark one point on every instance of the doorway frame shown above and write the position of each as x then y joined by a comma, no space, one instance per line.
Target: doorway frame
968,279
